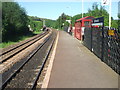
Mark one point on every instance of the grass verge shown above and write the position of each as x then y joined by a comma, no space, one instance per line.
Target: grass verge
8,43
36,32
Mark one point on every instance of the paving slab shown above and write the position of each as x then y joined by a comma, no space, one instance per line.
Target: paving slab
76,67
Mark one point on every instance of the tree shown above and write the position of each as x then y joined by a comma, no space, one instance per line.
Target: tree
61,21
74,18
14,20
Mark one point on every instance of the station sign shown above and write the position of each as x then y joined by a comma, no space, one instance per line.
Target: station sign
98,21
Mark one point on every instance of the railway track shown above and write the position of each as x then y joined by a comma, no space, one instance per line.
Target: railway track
27,74
5,55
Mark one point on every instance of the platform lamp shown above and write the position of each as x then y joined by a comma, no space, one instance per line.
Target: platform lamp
71,15
82,8
108,2
110,13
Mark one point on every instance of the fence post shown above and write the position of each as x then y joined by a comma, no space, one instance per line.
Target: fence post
102,54
91,39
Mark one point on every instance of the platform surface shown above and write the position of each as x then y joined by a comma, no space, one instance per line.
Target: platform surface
76,67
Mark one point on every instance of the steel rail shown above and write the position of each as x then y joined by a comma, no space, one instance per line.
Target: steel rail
20,44
37,38
22,65
43,64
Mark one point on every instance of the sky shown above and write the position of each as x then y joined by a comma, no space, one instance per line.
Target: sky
52,9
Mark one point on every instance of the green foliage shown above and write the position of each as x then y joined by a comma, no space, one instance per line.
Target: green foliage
14,20
0,7
97,11
35,25
16,40
74,18
114,23
37,32
50,23
61,21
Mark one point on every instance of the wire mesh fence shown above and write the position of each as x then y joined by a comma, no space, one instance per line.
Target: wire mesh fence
88,38
105,46
112,50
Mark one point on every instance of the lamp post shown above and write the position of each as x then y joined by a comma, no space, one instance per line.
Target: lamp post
71,15
108,2
70,21
110,14
82,8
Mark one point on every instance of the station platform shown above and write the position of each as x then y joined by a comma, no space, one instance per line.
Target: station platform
75,66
